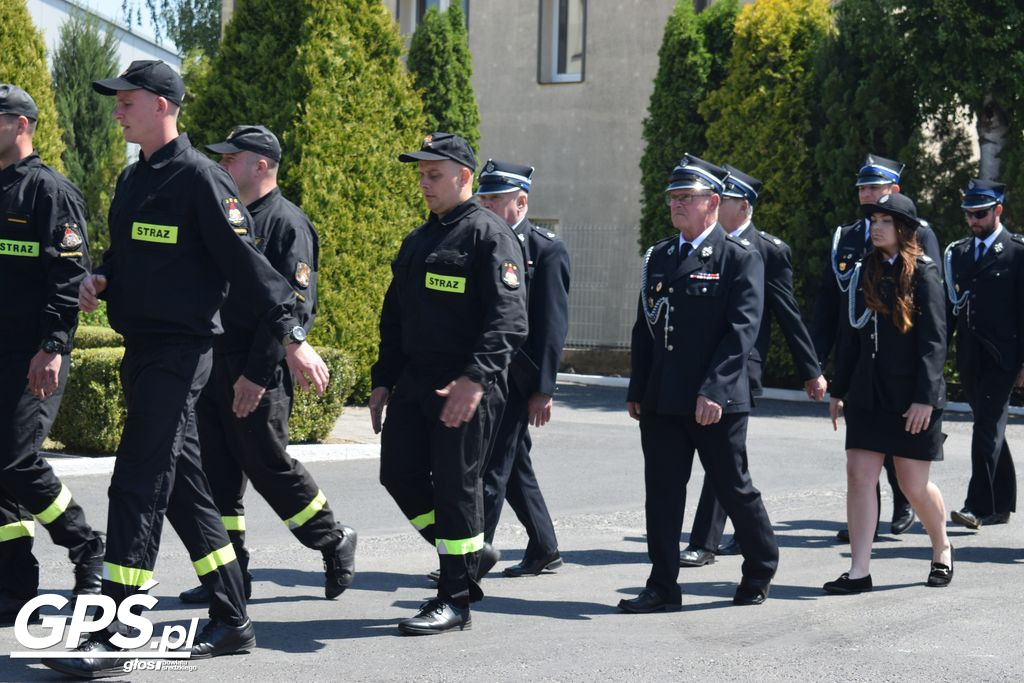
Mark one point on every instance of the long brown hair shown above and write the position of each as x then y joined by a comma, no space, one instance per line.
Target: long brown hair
903,291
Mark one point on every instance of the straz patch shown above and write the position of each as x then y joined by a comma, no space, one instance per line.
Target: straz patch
705,276
509,274
18,248
235,216
302,271
446,283
151,232
70,240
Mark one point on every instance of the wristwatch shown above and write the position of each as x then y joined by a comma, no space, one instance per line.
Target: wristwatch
296,335
51,345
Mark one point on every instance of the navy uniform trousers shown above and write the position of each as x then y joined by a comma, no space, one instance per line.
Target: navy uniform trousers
28,487
158,473
993,485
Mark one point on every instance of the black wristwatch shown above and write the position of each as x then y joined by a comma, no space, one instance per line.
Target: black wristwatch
296,335
52,346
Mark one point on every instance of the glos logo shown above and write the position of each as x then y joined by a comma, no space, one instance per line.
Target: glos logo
172,637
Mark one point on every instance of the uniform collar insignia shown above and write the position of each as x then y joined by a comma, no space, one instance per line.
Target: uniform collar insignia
998,247
707,251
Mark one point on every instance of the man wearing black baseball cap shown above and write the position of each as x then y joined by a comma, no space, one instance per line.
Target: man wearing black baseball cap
244,408
43,256
454,314
148,74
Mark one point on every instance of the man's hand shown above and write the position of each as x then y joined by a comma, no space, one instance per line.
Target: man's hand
89,291
378,399
835,409
247,397
463,398
816,388
1020,379
43,371
307,367
633,408
539,409
919,416
708,412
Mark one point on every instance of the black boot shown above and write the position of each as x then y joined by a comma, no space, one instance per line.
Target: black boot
340,563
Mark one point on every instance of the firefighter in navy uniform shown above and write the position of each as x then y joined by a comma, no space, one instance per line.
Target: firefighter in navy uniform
244,408
736,216
174,249
700,307
985,286
877,177
508,474
453,315
43,256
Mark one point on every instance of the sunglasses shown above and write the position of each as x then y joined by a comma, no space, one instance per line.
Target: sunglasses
977,215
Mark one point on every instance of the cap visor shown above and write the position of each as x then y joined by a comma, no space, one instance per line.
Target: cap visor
110,86
882,208
223,148
983,203
492,188
423,156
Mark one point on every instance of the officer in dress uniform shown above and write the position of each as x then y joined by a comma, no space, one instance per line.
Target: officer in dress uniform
697,320
877,177
244,408
985,286
508,474
454,314
736,216
174,249
43,256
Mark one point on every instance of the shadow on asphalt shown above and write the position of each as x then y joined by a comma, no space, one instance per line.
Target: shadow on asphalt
600,556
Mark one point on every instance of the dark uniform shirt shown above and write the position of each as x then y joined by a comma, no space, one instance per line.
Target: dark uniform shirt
285,236
178,235
43,255
456,298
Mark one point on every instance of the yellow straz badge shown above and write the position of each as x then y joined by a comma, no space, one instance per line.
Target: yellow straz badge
510,274
150,232
71,238
446,283
235,216
18,248
302,271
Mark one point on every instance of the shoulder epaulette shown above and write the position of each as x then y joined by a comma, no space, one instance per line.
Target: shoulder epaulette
544,232
1019,238
742,241
926,258
770,238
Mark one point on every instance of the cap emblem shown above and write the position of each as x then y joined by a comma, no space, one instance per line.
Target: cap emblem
490,167
428,141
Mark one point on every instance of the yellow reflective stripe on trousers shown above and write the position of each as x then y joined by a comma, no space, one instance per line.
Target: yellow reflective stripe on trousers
126,576
57,507
19,529
421,522
218,558
460,546
235,523
306,514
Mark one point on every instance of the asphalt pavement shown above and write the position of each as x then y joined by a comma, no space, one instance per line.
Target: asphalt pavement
564,626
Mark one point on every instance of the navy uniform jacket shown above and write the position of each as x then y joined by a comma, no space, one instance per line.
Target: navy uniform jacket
44,255
534,368
780,303
991,322
178,235
907,368
285,236
853,244
456,298
715,298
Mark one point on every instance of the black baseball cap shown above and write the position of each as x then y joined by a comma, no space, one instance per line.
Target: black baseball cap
17,102
895,204
443,147
148,74
249,138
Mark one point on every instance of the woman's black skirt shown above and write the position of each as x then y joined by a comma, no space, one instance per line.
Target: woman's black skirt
884,432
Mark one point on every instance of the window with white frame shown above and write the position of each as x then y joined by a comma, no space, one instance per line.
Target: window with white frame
409,13
562,40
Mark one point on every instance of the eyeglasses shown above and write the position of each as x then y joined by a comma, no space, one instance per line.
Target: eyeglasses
977,215
685,199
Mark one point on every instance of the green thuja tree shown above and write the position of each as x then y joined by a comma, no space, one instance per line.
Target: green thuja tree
441,66
718,25
23,63
327,78
94,151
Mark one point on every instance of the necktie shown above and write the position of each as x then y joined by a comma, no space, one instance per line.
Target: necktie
683,252
981,251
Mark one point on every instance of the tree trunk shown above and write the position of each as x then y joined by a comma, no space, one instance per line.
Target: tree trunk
992,132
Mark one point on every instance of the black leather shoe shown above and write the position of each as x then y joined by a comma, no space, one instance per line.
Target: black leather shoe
730,547
340,564
200,596
995,518
217,639
489,556
9,608
940,575
750,594
648,601
966,518
844,585
902,517
89,576
695,557
90,667
548,563
437,615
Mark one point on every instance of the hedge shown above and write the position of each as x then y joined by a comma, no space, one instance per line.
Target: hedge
97,337
92,413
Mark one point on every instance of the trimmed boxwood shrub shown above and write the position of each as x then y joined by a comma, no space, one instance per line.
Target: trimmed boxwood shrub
97,337
313,416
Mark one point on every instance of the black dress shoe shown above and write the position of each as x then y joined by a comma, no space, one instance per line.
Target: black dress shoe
902,517
844,585
10,606
940,574
695,557
966,518
437,615
90,667
996,518
750,594
730,547
200,596
648,601
217,639
89,576
549,562
340,563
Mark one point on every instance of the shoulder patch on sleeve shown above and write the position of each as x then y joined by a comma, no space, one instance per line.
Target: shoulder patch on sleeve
235,216
70,239
302,271
509,274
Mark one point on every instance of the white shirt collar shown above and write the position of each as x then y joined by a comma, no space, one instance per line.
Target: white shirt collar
518,223
739,231
700,238
988,240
